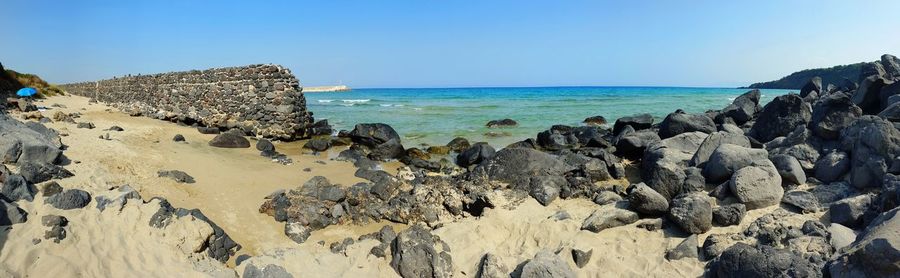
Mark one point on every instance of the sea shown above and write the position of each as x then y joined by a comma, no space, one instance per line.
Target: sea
434,116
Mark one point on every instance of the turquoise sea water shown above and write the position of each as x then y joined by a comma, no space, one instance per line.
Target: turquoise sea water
435,116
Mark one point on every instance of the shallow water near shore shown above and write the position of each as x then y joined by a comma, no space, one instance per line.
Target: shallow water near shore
434,116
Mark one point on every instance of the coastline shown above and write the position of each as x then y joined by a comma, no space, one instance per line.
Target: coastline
326,89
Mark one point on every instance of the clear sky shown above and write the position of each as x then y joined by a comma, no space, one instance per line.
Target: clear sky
450,43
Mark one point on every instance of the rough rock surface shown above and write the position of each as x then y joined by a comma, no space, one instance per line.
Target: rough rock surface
417,253
229,140
875,253
645,200
780,116
692,212
608,217
546,264
757,187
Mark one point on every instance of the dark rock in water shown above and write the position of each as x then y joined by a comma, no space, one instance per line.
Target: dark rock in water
692,212
545,189
375,136
86,125
645,200
459,144
742,260
595,120
70,199
16,188
519,164
871,142
678,123
581,258
492,267
555,140
814,85
849,212
757,187
229,140
178,138
11,214
686,249
832,166
176,175
608,217
727,159
318,144
208,130
804,200
831,114
41,172
789,169
728,215
638,122
478,153
265,147
116,128
780,116
744,107
269,271
875,252
417,253
868,97
501,123
439,150
546,264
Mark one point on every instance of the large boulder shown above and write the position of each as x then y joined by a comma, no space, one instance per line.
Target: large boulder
645,200
632,143
757,187
546,264
814,85
512,165
743,260
692,212
229,140
70,199
492,267
11,214
872,143
16,188
780,116
41,172
664,163
715,140
868,96
744,107
678,123
728,215
382,139
19,143
831,114
800,143
476,154
832,166
545,189
637,122
728,158
875,253
417,253
850,212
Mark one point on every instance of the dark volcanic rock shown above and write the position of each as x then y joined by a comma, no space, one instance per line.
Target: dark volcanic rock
814,85
318,144
11,214
545,189
478,153
229,140
459,144
546,264
686,249
501,123
804,200
868,97
832,166
492,267
789,169
872,142
849,212
417,253
742,260
16,188
70,199
638,122
178,138
269,271
208,130
608,217
678,123
727,159
265,147
581,258
595,120
757,187
780,116
744,107
382,139
645,200
519,164
664,163
875,253
692,212
728,215
41,172
831,114
715,140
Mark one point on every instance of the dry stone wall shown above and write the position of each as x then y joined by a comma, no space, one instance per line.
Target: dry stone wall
265,100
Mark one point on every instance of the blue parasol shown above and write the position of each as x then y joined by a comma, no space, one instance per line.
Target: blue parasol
26,92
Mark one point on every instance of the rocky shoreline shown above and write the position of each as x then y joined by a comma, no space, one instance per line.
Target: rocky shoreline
824,164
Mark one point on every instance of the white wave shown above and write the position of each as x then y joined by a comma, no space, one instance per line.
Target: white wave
348,104
325,100
417,109
391,105
355,100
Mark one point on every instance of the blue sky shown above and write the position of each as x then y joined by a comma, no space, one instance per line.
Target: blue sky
450,43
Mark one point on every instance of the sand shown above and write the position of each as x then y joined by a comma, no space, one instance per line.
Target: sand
232,183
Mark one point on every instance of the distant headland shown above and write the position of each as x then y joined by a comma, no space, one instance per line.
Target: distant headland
326,89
